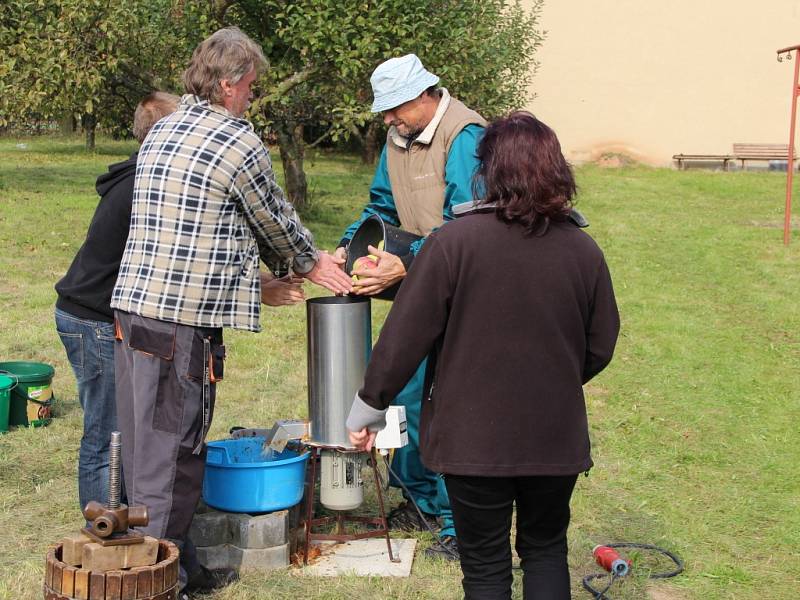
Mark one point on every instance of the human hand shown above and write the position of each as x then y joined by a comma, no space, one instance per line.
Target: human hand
363,440
371,281
328,274
340,256
281,292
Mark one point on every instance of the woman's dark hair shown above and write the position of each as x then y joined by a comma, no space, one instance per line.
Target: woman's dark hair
523,173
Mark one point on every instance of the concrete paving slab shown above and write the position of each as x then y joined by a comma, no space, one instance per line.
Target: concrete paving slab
363,557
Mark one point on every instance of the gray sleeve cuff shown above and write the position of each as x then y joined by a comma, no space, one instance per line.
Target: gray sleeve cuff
363,415
303,263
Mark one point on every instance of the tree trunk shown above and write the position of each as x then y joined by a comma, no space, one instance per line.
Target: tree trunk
371,150
66,124
89,123
292,148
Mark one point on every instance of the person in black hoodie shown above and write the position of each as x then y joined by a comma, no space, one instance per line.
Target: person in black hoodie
84,319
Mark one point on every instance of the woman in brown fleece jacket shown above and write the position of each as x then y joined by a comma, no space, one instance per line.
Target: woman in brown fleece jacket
514,305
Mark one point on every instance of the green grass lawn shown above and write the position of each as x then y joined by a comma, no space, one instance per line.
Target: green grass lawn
694,425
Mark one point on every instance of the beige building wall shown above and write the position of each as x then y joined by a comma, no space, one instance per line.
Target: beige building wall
653,78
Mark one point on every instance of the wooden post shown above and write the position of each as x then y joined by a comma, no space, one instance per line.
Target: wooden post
787,215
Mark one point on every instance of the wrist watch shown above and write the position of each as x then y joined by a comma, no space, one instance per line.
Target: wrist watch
303,263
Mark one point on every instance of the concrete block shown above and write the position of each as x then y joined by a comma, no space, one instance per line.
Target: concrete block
249,559
261,559
258,531
214,557
72,548
99,559
214,527
210,528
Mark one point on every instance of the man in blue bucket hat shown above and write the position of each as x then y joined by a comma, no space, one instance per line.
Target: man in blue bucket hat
425,169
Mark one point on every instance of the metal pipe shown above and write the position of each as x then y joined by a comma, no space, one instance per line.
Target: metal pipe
114,470
138,516
339,345
787,211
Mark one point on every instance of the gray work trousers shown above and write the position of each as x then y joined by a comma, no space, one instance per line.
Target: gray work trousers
160,413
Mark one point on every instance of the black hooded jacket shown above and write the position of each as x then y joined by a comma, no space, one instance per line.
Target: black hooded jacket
85,290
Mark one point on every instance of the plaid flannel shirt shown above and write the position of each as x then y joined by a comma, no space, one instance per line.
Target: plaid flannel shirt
205,207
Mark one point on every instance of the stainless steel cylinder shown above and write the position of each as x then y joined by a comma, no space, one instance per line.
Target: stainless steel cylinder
339,345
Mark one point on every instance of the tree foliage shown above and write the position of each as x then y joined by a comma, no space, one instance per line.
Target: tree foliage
92,58
322,52
96,58
482,49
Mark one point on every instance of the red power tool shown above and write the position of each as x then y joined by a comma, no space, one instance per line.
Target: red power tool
611,561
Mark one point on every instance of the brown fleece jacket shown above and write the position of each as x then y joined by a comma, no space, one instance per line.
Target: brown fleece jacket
514,324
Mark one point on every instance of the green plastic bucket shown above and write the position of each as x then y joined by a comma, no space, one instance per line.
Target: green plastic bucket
32,397
6,383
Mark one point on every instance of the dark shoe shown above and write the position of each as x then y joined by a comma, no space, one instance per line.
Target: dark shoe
446,548
404,517
206,580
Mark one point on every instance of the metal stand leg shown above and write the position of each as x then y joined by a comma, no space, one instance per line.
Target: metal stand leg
340,524
380,524
312,483
374,461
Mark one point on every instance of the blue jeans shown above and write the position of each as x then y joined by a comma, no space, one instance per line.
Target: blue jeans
90,350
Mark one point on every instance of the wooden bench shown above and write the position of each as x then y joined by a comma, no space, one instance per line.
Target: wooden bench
742,152
745,152
704,157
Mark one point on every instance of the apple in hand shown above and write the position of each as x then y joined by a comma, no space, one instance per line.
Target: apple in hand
364,262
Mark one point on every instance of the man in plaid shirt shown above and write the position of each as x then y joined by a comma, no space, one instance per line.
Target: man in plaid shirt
206,208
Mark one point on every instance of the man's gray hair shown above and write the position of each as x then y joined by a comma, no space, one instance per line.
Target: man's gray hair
226,54
153,107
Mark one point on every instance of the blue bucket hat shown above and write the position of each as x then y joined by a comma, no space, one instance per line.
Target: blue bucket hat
399,80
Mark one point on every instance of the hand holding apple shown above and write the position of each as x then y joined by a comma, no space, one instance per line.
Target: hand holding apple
388,271
364,262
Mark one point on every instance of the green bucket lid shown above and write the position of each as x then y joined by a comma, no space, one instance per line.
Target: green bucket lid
26,371
6,382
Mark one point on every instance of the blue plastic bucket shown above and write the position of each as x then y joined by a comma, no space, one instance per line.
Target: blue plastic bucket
242,478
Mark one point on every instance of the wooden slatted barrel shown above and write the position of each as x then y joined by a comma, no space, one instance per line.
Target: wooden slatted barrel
156,582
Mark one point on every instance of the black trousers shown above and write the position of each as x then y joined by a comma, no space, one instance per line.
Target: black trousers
482,511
